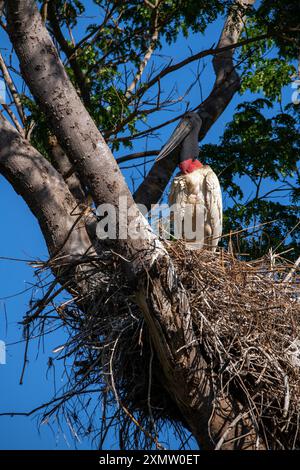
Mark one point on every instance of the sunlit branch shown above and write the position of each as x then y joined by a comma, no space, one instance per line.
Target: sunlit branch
150,50
200,55
14,93
68,50
14,119
133,156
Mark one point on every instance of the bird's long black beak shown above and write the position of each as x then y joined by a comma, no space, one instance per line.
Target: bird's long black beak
181,131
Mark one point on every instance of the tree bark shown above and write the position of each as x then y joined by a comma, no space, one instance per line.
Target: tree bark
70,53
44,191
62,164
159,293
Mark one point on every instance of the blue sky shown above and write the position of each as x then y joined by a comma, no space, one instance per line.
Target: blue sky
20,238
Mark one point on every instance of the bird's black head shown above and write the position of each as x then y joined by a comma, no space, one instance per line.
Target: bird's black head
186,135
194,119
189,147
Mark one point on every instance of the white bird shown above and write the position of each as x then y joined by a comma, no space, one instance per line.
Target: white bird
195,196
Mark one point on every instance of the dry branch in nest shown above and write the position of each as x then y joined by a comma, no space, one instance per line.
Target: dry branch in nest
247,324
247,321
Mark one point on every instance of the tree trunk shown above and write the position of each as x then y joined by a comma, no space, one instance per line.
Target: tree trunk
227,83
159,293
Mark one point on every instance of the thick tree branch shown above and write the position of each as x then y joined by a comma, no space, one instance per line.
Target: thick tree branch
64,167
14,119
214,51
150,50
44,191
69,51
69,119
160,294
227,81
226,85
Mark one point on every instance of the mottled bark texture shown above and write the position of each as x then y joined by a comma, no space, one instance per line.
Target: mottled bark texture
159,293
227,83
44,191
68,171
83,84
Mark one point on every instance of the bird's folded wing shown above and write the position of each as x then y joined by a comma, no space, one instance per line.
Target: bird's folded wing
213,200
178,194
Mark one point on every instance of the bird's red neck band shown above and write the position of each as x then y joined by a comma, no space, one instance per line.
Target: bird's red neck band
188,166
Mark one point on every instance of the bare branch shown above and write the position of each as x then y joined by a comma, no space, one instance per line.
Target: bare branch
14,119
94,34
42,188
12,89
157,105
200,55
159,292
148,131
226,85
69,51
132,156
150,50
64,167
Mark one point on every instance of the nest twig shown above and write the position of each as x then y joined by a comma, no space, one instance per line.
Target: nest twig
247,323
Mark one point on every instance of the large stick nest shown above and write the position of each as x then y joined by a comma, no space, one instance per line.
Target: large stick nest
246,320
248,324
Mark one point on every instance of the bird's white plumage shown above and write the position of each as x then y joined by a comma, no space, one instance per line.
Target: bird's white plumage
199,191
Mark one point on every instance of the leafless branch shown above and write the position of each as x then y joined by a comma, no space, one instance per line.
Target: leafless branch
133,156
200,55
11,86
14,119
69,51
226,84
150,50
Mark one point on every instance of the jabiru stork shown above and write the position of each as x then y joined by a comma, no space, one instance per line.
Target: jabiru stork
195,188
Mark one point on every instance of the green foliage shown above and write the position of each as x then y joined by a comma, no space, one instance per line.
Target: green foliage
69,11
262,65
37,122
268,76
259,151
112,52
281,18
115,45
258,160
